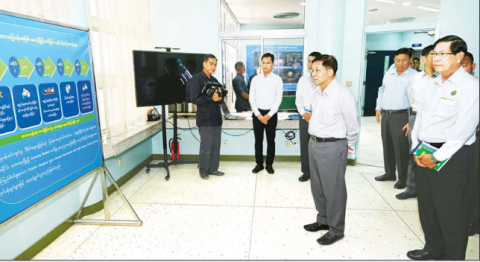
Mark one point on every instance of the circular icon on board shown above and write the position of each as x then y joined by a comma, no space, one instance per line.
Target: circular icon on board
39,67
14,66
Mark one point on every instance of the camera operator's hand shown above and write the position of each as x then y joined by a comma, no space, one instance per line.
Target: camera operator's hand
216,98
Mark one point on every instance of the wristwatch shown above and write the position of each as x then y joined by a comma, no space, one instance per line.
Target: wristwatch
434,160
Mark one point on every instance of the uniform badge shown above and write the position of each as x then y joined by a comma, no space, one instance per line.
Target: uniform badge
454,92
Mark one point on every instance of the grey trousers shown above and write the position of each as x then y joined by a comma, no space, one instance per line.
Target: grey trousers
411,184
395,145
210,137
304,138
328,164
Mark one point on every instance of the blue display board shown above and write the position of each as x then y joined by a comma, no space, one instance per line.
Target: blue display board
49,133
288,62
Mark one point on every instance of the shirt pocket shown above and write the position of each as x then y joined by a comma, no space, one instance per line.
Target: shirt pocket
446,108
328,115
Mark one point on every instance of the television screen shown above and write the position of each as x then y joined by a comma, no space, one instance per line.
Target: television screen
161,77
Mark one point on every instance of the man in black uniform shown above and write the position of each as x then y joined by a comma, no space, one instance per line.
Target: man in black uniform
209,118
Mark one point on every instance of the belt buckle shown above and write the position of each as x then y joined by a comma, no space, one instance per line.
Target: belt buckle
314,138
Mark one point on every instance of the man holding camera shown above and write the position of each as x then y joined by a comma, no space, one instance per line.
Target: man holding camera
209,118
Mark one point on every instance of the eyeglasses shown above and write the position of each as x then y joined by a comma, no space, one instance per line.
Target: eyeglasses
442,55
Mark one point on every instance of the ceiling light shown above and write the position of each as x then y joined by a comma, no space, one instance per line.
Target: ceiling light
303,3
386,1
286,15
373,10
428,9
407,3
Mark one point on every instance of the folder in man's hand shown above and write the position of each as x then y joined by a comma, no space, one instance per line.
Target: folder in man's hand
425,148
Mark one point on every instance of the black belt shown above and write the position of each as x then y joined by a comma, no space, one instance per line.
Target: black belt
437,145
328,139
390,112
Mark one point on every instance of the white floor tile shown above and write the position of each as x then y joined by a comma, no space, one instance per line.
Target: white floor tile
174,232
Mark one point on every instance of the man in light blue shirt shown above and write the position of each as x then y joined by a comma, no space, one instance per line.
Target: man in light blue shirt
392,112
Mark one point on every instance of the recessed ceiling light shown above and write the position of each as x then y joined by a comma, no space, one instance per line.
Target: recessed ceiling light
373,10
407,3
428,9
386,1
302,3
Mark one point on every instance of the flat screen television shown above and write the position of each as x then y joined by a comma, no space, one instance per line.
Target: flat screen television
161,77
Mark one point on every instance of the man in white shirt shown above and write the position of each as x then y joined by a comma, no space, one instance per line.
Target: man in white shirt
334,129
447,119
266,95
303,101
417,85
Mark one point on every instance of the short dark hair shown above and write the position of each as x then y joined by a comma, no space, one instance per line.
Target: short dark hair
427,50
404,51
468,54
206,57
239,65
328,61
416,58
412,52
315,54
268,55
458,45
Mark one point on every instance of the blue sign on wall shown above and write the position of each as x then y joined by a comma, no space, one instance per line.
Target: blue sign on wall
49,133
288,63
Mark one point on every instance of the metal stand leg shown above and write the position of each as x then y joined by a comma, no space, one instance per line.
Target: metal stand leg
103,171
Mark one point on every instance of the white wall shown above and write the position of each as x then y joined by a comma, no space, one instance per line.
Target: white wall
396,40
461,18
189,25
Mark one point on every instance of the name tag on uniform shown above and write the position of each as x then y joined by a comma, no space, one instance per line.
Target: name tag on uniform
448,100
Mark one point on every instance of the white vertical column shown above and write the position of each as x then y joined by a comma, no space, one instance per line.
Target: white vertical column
461,18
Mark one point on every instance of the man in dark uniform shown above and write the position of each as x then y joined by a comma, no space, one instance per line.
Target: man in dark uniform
209,118
447,120
240,88
469,65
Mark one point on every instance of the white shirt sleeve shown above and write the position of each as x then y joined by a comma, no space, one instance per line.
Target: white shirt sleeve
410,89
380,96
252,97
278,97
299,97
349,112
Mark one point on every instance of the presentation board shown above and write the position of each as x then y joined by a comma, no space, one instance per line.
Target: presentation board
49,131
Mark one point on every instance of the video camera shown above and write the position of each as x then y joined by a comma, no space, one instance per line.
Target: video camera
210,87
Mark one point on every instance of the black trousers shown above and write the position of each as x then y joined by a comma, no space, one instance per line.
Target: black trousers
258,129
396,151
445,204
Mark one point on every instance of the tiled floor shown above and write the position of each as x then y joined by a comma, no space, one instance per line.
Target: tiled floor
247,216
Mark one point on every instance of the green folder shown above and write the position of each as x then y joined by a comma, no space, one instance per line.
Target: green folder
425,148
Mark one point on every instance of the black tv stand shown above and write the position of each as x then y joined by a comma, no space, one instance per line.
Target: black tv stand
175,160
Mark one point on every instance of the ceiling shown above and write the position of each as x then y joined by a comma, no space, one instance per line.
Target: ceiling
262,11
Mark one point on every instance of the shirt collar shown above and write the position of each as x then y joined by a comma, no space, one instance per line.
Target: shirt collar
456,78
330,88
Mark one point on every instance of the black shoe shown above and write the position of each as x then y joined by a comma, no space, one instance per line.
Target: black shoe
204,176
270,170
385,178
328,239
406,195
421,254
216,173
473,229
257,169
304,178
400,185
315,227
